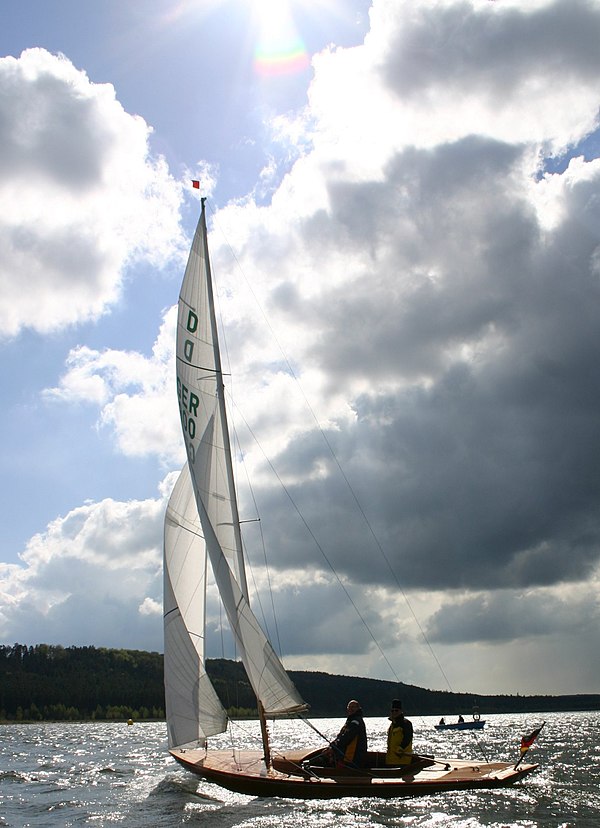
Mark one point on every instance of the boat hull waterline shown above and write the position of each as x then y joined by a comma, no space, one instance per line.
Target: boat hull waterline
244,772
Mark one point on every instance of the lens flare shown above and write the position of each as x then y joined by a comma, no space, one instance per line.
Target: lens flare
280,50
283,60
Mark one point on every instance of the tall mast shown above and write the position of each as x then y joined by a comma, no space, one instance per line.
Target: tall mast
223,409
229,463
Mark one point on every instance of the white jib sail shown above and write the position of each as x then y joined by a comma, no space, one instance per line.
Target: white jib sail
192,707
201,396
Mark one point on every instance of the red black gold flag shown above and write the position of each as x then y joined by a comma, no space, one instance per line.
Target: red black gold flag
527,741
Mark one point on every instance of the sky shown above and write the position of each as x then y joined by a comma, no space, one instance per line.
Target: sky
404,212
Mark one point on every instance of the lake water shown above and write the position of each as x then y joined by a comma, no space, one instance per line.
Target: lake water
99,774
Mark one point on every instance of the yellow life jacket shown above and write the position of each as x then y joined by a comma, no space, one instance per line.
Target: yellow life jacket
396,754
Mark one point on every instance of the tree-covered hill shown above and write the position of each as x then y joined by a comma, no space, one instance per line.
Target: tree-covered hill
68,683
53,682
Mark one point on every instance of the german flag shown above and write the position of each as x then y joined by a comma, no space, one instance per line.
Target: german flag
527,741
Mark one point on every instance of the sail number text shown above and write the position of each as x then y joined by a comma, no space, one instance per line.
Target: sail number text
188,408
188,400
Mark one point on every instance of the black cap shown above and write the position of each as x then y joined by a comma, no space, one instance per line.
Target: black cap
396,704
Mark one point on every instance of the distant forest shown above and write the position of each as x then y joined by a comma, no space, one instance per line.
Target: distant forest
50,683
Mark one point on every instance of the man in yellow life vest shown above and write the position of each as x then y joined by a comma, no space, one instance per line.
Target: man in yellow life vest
400,736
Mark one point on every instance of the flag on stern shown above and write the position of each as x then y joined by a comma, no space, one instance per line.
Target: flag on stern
527,741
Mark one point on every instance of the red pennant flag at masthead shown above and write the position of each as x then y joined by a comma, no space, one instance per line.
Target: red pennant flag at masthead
196,185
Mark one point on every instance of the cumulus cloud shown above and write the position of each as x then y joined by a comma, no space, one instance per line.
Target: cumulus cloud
81,195
518,73
133,392
93,577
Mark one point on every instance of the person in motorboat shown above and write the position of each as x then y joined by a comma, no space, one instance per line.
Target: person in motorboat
349,748
442,721
400,736
460,718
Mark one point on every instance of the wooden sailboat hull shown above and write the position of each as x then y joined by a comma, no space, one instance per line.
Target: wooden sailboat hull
241,772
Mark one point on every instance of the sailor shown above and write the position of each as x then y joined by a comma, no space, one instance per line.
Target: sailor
350,745
400,735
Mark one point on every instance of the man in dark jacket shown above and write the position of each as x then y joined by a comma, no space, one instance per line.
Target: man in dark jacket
350,745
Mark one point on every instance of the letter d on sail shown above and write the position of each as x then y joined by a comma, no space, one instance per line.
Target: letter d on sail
192,322
192,327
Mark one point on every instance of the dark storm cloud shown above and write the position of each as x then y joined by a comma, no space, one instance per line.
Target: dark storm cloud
475,450
497,53
506,616
448,237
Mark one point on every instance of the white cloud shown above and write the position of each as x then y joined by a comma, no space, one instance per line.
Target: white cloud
150,607
80,195
93,577
518,74
133,392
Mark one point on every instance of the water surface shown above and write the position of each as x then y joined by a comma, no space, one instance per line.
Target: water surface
106,774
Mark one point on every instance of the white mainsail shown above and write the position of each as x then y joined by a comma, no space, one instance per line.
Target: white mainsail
201,397
193,708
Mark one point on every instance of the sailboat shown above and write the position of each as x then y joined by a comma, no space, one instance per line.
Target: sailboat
202,524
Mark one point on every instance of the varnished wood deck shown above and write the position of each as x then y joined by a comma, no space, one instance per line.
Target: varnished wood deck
241,772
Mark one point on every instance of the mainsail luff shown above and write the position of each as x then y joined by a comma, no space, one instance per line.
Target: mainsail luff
204,421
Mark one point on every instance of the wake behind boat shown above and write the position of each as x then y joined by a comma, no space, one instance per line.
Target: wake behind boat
202,523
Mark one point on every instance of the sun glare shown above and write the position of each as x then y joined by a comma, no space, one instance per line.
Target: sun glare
279,49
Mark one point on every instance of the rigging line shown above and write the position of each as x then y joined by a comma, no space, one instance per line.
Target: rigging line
318,732
338,464
321,550
264,550
221,630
